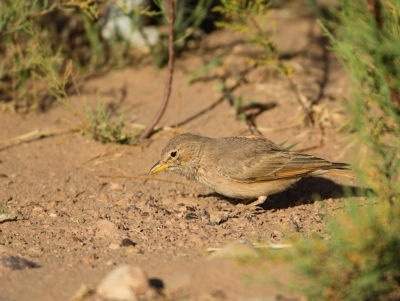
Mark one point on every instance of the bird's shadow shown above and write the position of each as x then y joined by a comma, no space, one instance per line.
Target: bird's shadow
307,190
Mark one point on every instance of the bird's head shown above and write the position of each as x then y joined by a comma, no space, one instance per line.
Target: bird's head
181,155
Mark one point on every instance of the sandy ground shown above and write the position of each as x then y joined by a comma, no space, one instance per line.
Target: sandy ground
76,200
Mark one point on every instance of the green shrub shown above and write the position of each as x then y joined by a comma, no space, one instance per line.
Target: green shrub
361,260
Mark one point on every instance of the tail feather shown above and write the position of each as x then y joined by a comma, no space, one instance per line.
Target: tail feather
341,170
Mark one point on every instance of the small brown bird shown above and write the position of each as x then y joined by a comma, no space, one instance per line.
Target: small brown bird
242,167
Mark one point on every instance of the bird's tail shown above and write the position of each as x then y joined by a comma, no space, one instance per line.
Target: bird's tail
341,170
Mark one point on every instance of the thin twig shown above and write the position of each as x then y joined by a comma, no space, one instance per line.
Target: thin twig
149,130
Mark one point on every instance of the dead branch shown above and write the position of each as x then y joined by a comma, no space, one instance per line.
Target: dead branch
149,130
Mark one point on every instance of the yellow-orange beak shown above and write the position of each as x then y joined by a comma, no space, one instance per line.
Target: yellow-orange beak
158,167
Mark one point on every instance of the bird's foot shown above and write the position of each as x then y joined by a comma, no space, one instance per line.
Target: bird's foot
250,209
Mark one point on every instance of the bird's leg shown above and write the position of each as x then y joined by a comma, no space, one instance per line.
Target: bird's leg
245,205
260,200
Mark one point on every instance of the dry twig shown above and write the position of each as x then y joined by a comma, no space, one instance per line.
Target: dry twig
149,130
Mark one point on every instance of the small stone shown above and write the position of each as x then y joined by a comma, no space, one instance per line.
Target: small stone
294,226
5,217
204,213
126,242
53,215
116,186
217,219
182,209
191,216
125,282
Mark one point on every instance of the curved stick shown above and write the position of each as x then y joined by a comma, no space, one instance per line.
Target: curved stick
149,130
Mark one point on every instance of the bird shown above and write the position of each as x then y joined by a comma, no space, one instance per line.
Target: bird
242,167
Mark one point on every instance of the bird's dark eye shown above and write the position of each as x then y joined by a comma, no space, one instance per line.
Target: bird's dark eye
173,154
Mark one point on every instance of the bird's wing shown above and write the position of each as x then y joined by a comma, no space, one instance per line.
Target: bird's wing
254,162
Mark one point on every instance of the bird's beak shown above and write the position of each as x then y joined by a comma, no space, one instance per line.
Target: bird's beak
158,167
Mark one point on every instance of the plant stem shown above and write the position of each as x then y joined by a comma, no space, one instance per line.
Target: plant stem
149,130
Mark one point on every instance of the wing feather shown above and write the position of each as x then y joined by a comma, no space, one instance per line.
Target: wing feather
264,161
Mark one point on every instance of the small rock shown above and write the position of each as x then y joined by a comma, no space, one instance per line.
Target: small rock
116,186
191,216
217,219
5,217
294,226
53,215
126,242
204,213
125,282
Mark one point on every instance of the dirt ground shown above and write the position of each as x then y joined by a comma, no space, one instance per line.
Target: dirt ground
76,200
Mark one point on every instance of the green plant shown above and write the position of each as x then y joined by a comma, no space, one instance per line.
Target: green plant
188,18
361,260
101,128
24,31
250,18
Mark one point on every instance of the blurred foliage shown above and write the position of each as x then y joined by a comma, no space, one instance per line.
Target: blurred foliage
361,260
101,128
39,36
250,17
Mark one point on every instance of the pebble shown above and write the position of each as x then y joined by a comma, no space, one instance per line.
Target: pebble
7,217
116,186
191,216
125,282
126,242
217,219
